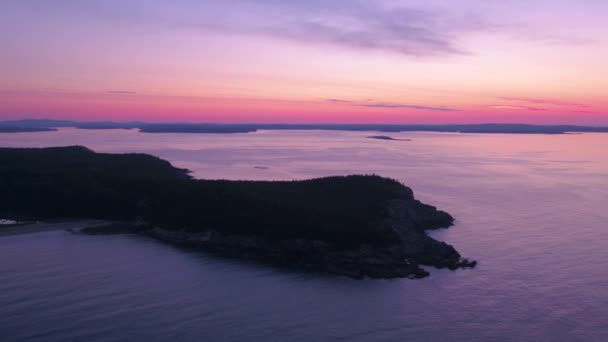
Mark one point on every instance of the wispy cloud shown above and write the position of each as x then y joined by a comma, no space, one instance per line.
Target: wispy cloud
526,108
408,106
120,92
371,104
405,28
338,101
413,27
544,101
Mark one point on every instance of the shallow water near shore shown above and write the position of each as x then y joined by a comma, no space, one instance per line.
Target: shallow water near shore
530,208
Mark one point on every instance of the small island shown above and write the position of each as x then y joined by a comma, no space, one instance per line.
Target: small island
358,226
12,129
386,137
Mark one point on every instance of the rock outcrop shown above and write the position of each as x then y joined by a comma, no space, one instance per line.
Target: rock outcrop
409,218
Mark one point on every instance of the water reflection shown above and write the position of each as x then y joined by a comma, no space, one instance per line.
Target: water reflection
530,208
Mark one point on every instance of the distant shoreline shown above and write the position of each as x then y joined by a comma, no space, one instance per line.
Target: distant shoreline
40,227
43,125
12,129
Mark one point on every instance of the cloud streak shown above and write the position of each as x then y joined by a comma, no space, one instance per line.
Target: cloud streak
120,92
362,25
408,29
543,101
392,105
513,107
338,101
408,106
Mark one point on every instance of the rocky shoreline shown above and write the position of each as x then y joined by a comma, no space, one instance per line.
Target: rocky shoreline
410,218
297,254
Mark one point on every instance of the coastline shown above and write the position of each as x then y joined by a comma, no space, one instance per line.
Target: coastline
40,227
365,261
362,226
362,262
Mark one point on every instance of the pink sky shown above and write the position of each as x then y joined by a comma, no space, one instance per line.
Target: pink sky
306,61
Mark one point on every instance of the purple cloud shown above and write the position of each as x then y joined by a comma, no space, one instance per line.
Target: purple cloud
513,107
371,104
543,101
415,28
408,106
338,101
408,29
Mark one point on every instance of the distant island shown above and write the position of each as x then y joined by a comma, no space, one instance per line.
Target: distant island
216,128
359,226
386,137
16,129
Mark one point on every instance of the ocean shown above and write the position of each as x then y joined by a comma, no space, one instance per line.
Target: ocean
531,209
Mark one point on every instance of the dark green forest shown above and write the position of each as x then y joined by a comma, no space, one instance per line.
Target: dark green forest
75,182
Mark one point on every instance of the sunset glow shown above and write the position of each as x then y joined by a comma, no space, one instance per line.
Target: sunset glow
306,61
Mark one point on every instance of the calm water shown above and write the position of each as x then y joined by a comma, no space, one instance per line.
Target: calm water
530,208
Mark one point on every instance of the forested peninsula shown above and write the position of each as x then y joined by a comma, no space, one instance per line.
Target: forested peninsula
359,226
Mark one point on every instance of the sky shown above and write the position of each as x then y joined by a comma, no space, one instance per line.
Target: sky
309,61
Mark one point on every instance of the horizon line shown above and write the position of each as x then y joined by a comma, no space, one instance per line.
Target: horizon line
297,123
